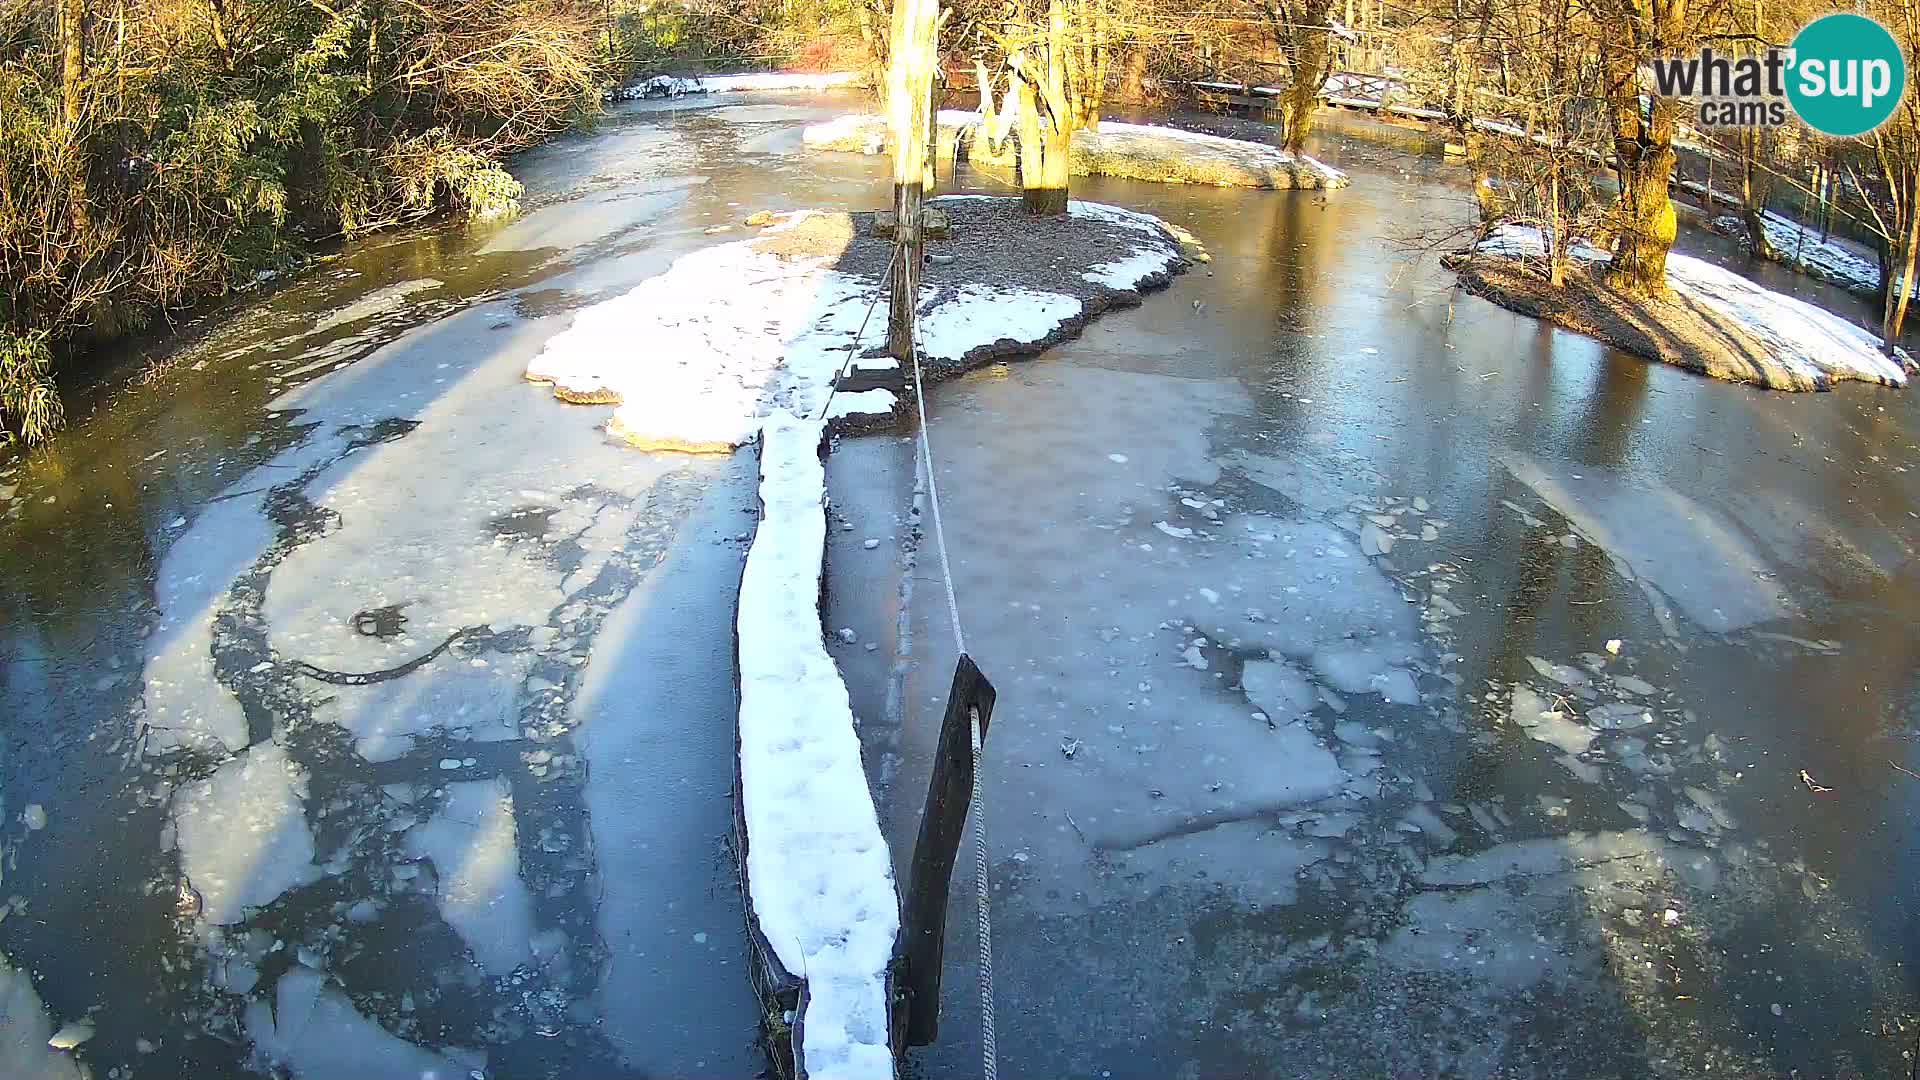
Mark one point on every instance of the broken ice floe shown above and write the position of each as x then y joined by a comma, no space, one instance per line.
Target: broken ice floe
242,833
471,842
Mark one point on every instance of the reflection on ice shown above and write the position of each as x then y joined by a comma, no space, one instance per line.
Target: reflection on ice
1689,553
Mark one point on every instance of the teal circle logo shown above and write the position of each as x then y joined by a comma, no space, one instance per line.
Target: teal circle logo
1846,76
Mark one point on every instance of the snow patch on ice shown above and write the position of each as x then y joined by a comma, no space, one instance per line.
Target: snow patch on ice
691,370
666,86
185,705
818,869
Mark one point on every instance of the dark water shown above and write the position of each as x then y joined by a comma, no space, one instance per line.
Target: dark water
356,448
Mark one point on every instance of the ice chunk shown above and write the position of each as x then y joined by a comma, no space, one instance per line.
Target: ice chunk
471,842
1550,726
315,1032
1620,716
1706,567
26,1050
242,833
1278,688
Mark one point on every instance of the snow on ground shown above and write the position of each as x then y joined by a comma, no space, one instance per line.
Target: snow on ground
1816,344
979,314
1138,151
1149,144
1834,259
818,868
242,833
471,843
693,371
676,86
317,1034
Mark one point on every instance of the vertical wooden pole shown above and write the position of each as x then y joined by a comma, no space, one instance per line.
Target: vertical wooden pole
942,825
910,66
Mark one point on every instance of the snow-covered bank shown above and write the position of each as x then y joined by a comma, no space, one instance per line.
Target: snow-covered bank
670,86
818,869
1830,259
1747,333
744,340
1134,151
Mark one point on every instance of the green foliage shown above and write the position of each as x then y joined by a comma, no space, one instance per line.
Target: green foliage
210,139
29,407
805,35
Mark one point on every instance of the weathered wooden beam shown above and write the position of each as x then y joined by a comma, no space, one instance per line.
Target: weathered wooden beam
911,63
942,825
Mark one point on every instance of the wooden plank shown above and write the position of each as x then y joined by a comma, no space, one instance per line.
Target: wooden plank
942,825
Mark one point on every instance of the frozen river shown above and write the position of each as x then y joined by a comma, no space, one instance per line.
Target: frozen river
367,713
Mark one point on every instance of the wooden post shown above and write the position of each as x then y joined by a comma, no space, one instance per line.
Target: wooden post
910,66
942,825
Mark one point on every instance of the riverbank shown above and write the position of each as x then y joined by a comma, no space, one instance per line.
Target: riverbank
1713,322
1151,152
176,260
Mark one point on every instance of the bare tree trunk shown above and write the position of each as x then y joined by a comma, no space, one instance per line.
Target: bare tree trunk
995,119
911,58
1133,80
1754,185
1457,74
1032,149
73,57
1313,55
1046,119
1557,239
1644,221
1896,306
868,14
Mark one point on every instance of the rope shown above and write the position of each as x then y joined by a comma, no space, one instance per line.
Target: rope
989,1049
933,499
834,387
989,1052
